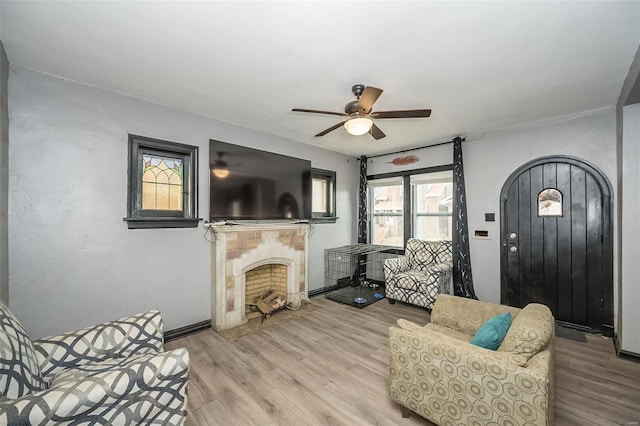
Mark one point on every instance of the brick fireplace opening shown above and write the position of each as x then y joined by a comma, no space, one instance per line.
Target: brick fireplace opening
239,250
263,278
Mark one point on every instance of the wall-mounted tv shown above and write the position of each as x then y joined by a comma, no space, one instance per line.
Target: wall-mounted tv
251,184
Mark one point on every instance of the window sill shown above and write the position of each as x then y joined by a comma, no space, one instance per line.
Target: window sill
324,220
160,222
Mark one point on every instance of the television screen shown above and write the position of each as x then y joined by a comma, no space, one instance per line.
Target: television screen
251,184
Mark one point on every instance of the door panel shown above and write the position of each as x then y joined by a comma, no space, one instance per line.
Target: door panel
565,269
564,261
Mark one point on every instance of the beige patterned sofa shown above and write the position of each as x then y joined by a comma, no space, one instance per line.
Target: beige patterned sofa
437,373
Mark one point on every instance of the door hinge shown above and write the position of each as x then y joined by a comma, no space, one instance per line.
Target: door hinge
602,304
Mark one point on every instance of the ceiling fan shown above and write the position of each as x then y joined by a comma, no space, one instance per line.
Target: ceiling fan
361,117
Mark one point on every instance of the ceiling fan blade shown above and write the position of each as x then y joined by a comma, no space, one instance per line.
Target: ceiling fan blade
369,97
330,129
410,113
341,114
376,132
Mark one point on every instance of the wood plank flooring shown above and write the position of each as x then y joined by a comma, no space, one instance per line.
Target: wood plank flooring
330,367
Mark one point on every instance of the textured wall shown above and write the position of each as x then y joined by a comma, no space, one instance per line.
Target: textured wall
630,300
73,260
4,176
489,161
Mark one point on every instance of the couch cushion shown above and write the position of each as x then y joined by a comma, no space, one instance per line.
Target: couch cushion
415,328
79,373
491,334
417,281
530,331
19,369
458,335
466,315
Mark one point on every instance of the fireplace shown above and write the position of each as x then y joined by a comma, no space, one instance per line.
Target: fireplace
240,249
270,277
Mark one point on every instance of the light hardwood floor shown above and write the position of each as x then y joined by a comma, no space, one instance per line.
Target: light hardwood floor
330,367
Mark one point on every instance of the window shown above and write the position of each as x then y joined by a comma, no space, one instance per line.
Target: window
427,214
550,203
162,184
386,204
432,201
323,195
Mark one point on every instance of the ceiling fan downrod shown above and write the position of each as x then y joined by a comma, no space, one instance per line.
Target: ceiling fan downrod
357,90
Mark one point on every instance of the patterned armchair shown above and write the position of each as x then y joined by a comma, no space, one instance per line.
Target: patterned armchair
419,275
114,373
437,373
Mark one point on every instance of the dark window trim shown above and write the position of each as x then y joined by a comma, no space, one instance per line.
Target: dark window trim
411,172
330,176
137,218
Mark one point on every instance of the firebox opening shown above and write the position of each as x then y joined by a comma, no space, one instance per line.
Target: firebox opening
262,279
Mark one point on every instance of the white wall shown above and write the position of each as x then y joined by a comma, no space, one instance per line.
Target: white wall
630,334
73,261
4,176
489,161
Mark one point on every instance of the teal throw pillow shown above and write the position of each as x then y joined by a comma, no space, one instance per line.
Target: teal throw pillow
492,332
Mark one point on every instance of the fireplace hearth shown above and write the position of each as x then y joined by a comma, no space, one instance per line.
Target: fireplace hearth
239,249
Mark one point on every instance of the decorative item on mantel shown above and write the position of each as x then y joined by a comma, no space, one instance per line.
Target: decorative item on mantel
403,161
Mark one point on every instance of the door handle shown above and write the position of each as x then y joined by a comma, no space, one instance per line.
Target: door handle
513,249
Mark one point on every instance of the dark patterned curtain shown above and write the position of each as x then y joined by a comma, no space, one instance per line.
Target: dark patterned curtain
462,278
362,202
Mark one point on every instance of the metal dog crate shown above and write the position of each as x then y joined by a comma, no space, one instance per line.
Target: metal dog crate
355,274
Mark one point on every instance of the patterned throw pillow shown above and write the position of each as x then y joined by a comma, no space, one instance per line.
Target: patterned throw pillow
492,332
19,369
530,332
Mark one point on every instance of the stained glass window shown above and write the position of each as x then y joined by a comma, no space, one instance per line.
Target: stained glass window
163,179
161,183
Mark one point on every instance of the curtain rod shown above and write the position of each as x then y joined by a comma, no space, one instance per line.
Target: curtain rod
412,149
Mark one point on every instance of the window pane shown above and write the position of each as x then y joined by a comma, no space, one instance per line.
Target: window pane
387,224
388,199
432,205
434,197
388,230
319,196
162,183
433,227
550,203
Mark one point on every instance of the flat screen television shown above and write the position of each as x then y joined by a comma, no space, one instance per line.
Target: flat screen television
258,185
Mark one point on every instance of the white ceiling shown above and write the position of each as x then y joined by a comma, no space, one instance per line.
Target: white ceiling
479,65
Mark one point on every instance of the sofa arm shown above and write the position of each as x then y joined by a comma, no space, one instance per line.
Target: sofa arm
148,389
440,268
451,381
135,335
395,265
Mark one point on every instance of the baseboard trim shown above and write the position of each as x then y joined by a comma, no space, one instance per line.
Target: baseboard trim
186,330
318,291
629,355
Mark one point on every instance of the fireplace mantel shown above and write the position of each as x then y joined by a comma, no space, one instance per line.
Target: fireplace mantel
237,249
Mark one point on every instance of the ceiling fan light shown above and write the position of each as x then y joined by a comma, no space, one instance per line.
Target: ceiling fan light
358,126
220,169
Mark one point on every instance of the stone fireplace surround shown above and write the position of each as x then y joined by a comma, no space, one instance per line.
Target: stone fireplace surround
240,248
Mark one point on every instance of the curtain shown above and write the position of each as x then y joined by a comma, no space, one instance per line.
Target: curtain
362,202
462,278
